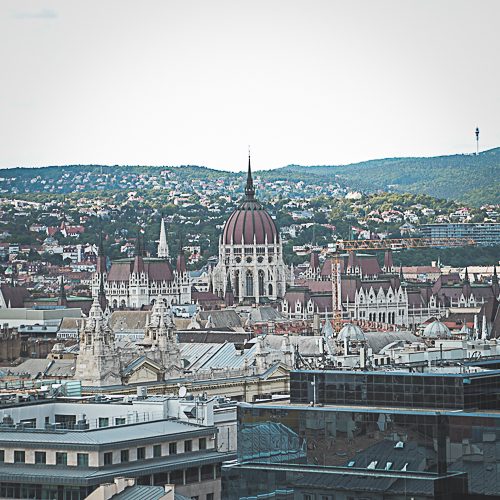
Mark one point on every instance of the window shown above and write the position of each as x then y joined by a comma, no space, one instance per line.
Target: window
82,459
40,457
103,421
172,448
61,458
188,446
108,458
141,453
120,421
202,444
19,457
124,456
2,455
210,496
157,450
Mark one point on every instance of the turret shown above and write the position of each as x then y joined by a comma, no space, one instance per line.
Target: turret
163,252
62,299
138,255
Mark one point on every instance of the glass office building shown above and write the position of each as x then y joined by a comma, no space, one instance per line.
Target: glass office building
364,447
454,391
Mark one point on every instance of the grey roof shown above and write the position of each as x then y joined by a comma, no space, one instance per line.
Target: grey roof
64,475
121,321
140,493
227,318
265,313
378,340
103,436
204,356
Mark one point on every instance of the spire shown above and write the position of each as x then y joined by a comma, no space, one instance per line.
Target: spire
466,277
249,189
62,299
101,295
495,275
101,257
181,259
138,260
138,251
162,244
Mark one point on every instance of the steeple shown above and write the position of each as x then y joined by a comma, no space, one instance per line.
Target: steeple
101,295
466,277
249,188
101,257
62,299
162,244
138,260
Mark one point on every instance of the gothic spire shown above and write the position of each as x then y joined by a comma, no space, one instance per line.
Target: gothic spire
495,275
466,277
162,244
249,188
62,299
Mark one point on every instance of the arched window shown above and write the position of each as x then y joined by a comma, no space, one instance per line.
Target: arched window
270,290
262,290
249,284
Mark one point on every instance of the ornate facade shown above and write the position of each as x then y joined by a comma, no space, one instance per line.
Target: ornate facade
251,267
133,283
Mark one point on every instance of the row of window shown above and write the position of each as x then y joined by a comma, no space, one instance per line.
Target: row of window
82,459
141,451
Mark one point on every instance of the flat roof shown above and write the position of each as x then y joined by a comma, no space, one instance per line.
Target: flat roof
85,476
372,409
438,373
104,436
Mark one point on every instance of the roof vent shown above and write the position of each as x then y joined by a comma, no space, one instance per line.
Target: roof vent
399,445
351,463
388,466
405,467
373,464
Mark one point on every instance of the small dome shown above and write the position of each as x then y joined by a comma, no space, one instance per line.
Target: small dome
436,330
351,332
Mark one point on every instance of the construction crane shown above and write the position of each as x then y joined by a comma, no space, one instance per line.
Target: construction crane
385,244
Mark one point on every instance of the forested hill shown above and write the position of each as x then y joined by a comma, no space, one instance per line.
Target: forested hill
469,178
472,179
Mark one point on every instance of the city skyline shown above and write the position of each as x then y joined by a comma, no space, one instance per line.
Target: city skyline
325,83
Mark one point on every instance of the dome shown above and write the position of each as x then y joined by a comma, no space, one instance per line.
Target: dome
351,332
250,222
436,330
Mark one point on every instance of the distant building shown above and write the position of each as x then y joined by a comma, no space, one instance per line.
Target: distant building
484,234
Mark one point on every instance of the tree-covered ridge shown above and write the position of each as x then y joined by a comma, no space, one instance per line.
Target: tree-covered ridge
471,178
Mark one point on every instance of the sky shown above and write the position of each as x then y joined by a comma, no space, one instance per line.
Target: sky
310,82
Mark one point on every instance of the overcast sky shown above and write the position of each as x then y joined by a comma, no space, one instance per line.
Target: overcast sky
310,82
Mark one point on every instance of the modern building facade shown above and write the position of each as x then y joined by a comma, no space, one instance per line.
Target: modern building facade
484,233
329,448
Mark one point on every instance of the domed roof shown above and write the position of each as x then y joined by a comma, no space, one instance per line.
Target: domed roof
436,330
250,222
351,332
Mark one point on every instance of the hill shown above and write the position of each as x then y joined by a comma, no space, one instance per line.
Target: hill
469,178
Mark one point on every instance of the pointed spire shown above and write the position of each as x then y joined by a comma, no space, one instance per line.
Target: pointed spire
138,251
101,257
162,244
62,299
466,277
495,275
249,188
101,295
